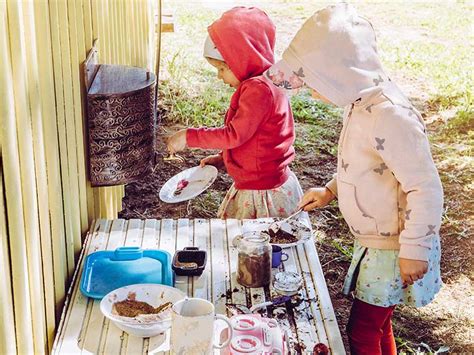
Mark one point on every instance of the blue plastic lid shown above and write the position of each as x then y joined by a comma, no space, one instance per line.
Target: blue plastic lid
107,270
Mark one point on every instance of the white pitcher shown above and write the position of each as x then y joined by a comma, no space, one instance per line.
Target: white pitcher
192,327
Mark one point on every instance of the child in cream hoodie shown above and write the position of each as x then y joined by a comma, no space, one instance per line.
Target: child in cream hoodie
387,185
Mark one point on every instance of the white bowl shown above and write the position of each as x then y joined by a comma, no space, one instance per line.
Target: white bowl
143,325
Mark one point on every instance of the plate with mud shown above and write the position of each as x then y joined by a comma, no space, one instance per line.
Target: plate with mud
291,233
188,184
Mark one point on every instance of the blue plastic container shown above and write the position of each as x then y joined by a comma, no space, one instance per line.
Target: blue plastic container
107,270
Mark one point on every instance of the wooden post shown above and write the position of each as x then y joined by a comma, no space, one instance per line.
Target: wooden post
13,190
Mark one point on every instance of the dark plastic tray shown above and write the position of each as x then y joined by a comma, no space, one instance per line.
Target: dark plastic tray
189,255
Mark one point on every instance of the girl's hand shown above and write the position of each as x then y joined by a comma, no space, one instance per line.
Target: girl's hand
215,160
177,142
412,270
316,198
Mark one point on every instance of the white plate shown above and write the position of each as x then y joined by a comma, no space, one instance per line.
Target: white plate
297,227
199,180
153,294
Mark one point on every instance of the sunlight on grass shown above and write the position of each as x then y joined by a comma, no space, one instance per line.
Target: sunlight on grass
192,92
189,87
319,124
307,110
453,152
431,42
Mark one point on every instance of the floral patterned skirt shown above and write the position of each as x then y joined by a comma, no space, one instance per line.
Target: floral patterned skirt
249,204
374,277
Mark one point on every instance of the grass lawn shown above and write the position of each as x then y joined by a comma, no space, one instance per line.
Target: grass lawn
427,49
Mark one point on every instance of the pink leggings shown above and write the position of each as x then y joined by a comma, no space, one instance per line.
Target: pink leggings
370,329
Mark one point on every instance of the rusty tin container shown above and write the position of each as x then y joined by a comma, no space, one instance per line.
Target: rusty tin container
121,124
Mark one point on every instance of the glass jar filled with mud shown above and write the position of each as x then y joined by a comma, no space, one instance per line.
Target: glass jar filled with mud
255,260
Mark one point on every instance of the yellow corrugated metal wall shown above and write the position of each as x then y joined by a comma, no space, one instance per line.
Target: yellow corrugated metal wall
46,201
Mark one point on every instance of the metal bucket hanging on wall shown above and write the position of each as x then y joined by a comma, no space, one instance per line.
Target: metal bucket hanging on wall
121,122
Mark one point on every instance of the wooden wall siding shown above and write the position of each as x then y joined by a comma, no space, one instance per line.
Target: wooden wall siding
46,201
6,302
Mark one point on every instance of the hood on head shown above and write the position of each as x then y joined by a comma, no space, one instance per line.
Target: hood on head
245,37
335,53
210,50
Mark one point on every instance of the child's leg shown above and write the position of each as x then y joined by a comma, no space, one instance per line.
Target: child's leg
369,326
387,342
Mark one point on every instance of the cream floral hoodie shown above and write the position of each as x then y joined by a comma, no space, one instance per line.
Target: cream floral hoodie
387,185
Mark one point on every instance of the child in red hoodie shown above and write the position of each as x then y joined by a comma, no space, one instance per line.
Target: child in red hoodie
257,138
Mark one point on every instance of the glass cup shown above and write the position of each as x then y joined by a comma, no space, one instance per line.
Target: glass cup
254,264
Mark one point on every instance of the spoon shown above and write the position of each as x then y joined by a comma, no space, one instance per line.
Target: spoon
276,226
241,309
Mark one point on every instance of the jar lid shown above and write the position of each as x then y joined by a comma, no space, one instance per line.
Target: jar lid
287,282
251,236
256,236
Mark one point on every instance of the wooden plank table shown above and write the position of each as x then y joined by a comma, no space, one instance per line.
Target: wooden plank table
309,317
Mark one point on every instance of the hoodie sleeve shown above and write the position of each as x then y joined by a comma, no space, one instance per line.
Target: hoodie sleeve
400,139
255,103
332,185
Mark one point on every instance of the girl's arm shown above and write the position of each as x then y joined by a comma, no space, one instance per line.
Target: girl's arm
216,160
332,185
406,153
254,105
316,197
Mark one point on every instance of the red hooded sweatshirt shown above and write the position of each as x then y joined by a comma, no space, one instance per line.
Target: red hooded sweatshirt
258,133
